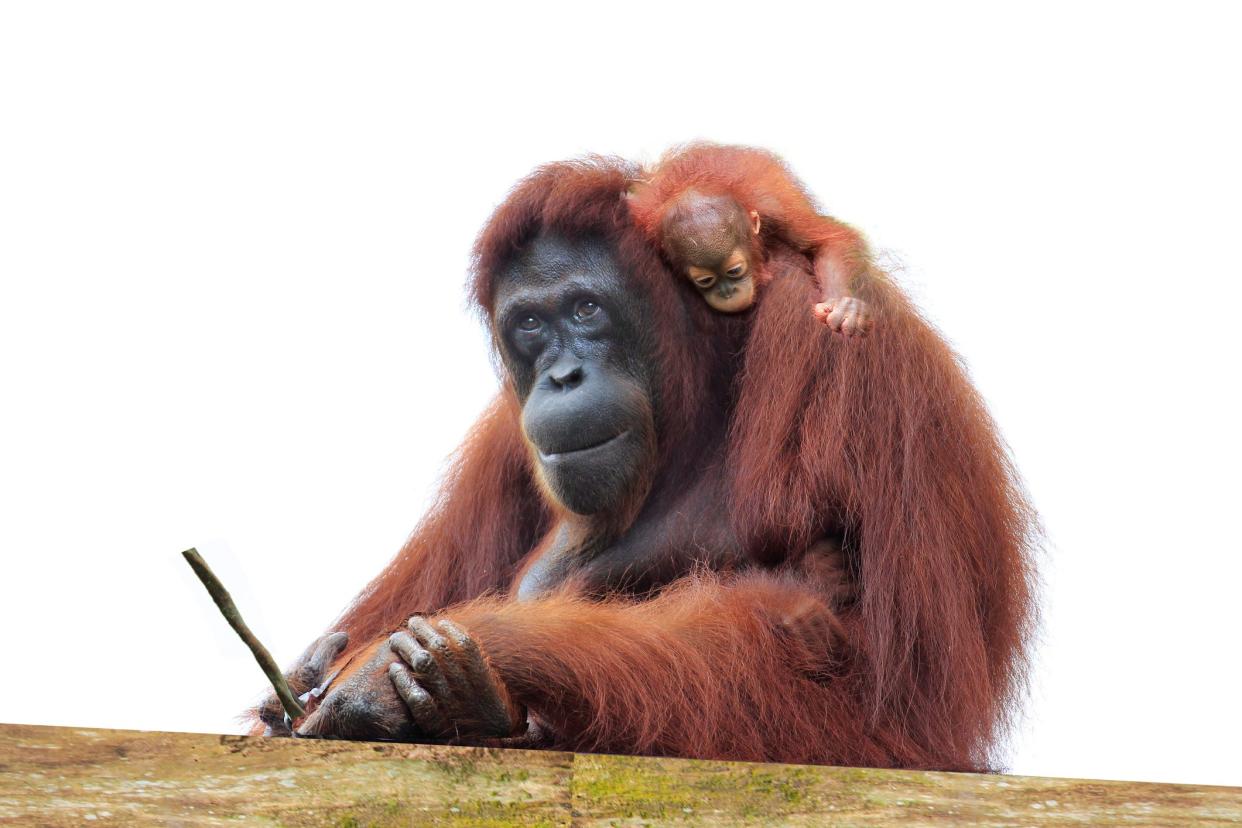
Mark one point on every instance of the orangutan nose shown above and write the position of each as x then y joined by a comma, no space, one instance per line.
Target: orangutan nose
567,377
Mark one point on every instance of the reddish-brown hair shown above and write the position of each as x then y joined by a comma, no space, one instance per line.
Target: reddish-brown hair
886,440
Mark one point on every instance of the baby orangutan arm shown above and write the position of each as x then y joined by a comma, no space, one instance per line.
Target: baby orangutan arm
840,261
840,275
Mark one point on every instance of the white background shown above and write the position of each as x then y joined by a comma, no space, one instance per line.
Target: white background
233,243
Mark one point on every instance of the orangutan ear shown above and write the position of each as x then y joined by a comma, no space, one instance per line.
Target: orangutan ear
754,222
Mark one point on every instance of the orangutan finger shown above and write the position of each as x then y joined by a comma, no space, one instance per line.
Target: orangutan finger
423,666
436,644
329,647
489,704
847,324
318,658
410,651
850,324
439,675
423,709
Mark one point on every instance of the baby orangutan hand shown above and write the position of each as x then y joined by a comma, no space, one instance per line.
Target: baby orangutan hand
446,682
845,315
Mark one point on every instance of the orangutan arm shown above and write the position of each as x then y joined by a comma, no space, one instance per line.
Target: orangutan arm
704,662
842,267
708,668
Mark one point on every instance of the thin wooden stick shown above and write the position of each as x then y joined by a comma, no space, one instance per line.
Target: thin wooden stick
229,610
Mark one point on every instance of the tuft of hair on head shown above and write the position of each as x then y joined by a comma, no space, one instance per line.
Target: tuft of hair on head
710,225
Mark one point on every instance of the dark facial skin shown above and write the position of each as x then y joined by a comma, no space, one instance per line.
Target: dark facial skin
711,239
567,331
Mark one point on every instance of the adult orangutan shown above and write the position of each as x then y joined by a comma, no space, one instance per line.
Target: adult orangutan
639,548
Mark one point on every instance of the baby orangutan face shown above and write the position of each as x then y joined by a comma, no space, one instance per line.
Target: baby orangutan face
728,285
715,243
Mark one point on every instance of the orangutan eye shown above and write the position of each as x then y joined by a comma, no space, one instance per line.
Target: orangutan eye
705,281
529,324
736,272
585,309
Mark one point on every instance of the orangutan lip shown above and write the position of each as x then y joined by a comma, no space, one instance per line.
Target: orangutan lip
554,455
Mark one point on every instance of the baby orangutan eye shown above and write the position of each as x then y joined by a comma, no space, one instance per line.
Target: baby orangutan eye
529,324
585,309
705,281
736,272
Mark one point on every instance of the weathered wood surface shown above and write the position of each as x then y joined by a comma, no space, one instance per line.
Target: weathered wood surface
77,776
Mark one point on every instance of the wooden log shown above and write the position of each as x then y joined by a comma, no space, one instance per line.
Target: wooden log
76,776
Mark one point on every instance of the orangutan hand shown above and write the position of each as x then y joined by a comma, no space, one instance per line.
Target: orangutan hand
425,683
845,315
450,689
307,673
363,705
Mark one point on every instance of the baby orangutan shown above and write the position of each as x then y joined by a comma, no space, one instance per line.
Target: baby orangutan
715,209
